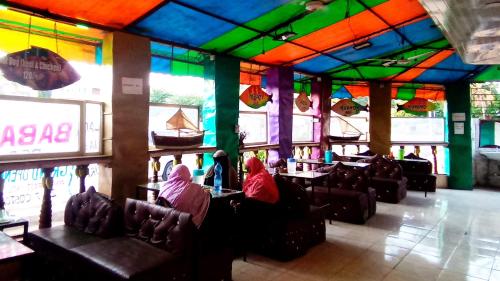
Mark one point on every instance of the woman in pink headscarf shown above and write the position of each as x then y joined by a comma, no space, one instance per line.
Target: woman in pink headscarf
184,195
259,184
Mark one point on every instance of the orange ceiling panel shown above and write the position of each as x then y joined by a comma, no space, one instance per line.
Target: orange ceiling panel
112,13
357,26
430,62
358,91
437,95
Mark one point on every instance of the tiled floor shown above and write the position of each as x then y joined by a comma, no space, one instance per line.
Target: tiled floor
450,235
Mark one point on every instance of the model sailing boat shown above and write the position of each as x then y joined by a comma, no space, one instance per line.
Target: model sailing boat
181,133
345,131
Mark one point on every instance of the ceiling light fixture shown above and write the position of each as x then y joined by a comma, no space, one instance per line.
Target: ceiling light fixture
82,26
361,45
3,8
285,35
314,5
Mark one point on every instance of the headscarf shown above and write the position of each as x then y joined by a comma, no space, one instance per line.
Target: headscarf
229,175
185,195
259,184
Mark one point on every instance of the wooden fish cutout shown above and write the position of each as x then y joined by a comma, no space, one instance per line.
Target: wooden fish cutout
417,106
347,107
39,69
255,97
302,102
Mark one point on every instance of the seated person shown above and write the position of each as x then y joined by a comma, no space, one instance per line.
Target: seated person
259,184
184,195
229,175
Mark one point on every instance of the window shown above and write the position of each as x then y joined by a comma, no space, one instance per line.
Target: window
160,113
47,127
418,129
253,122
344,126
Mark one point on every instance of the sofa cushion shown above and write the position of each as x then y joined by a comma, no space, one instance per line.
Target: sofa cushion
132,259
62,236
165,228
93,213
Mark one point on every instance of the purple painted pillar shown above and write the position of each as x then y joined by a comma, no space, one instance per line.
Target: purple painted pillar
280,111
321,90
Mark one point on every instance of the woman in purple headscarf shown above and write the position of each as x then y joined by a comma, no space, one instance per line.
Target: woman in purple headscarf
184,195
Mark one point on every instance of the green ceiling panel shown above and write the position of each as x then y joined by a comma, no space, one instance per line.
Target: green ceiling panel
492,73
263,23
405,94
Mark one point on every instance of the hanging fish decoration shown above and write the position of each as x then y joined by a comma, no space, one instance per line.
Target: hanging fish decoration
255,97
347,107
302,102
39,69
417,106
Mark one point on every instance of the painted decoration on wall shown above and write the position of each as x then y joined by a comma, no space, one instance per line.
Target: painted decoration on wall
348,107
302,102
417,106
255,97
39,69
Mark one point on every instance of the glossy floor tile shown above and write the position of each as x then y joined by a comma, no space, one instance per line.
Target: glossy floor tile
450,235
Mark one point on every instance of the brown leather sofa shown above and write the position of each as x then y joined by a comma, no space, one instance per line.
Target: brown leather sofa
287,229
348,191
386,176
100,242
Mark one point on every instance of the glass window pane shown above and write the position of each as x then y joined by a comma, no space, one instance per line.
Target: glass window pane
255,126
28,127
302,128
93,130
158,116
341,126
417,129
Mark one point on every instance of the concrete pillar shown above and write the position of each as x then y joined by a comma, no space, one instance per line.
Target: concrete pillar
380,117
280,111
126,121
227,94
459,144
321,91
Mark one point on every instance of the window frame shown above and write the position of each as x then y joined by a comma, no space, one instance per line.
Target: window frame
267,125
82,128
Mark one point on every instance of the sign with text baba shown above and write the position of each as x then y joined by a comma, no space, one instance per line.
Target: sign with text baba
39,69
32,127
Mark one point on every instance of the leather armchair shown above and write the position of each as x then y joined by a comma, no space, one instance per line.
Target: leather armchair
419,173
386,176
284,230
348,191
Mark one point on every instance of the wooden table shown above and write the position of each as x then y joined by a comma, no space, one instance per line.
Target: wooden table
14,223
223,194
308,175
11,254
322,163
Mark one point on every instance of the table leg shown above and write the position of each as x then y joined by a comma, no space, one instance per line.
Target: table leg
25,230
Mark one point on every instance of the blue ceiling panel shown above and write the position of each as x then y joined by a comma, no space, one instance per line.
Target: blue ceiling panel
240,11
178,24
444,76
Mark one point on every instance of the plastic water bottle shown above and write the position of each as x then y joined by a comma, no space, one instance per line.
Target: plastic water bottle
291,165
218,177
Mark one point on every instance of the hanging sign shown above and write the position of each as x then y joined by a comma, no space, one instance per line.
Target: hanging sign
255,97
417,106
39,69
347,107
302,102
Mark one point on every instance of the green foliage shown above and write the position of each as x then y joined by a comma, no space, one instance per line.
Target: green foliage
162,96
485,100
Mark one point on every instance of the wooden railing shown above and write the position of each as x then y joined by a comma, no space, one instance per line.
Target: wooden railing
47,165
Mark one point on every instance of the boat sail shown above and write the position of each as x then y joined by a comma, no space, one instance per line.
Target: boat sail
343,130
181,133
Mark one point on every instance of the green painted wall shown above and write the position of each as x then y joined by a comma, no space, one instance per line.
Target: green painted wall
487,133
460,145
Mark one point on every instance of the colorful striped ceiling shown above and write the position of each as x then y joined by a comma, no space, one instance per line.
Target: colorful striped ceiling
404,45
